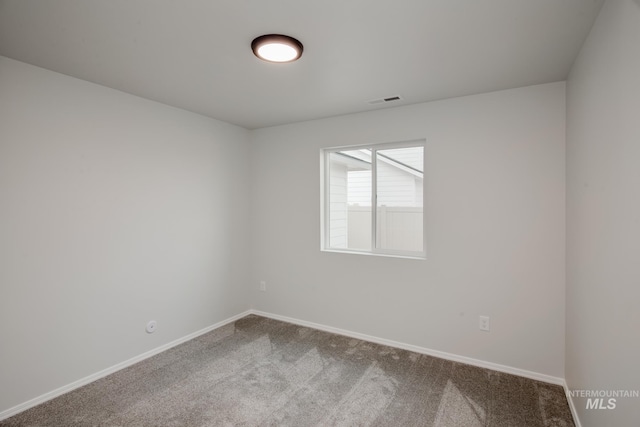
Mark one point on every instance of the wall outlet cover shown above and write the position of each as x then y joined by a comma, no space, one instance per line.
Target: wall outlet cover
151,326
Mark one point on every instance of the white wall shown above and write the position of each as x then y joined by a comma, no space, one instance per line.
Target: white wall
603,214
114,210
495,215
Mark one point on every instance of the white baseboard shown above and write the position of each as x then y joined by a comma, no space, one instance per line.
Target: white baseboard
441,354
572,406
93,377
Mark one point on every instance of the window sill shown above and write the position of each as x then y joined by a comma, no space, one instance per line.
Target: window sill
421,257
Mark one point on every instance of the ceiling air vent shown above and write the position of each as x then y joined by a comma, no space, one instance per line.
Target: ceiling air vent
388,99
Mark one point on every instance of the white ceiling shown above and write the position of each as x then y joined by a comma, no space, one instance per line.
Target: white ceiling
195,54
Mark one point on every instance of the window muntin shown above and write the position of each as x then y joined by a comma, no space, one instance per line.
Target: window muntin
387,176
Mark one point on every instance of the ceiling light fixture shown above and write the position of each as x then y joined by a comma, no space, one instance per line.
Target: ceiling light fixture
276,48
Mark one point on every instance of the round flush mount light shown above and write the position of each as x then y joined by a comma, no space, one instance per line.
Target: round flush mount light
276,48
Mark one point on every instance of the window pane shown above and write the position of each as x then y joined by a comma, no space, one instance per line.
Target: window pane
350,199
399,199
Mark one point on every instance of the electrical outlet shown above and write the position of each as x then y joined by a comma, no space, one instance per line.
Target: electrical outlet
263,286
484,323
151,326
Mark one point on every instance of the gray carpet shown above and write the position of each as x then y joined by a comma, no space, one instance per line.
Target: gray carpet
263,372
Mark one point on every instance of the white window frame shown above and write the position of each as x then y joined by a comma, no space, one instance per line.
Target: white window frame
325,198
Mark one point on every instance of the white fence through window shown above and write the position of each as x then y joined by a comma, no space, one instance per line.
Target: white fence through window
399,227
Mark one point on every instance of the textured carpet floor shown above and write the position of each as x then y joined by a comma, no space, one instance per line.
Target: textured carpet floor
263,372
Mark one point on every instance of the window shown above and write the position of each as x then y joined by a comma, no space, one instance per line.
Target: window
373,199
